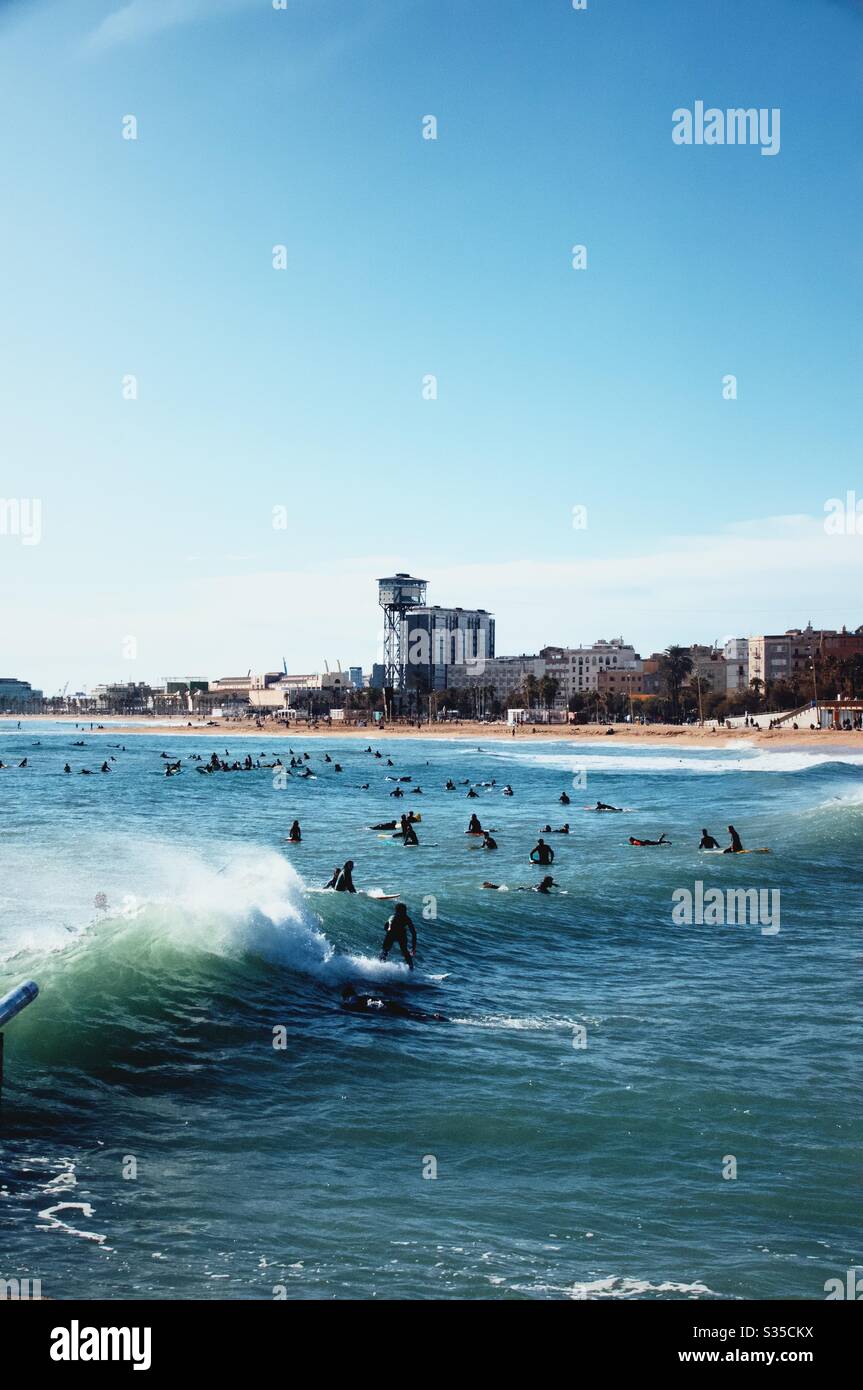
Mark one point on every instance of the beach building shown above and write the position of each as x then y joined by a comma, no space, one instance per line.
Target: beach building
436,639
708,669
15,692
736,653
577,669
504,675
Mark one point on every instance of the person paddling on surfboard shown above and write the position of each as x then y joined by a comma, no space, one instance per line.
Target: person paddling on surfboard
396,934
661,841
736,846
707,841
603,806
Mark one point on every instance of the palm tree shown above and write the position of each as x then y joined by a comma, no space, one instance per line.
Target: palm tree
549,686
676,666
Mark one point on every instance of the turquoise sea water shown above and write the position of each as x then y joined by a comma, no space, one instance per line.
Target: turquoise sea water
562,1170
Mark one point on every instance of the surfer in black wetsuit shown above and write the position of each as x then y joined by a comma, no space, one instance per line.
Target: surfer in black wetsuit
488,842
396,934
661,841
407,832
542,853
602,806
474,827
343,879
736,846
707,840
563,799
295,835
371,1005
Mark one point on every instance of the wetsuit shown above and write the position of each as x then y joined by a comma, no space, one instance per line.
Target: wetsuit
397,935
708,842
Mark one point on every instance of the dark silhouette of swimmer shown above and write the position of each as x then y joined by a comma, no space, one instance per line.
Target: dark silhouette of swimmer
545,885
661,841
603,806
371,1004
343,879
563,799
450,786
474,827
736,846
295,834
397,929
542,853
488,842
472,794
707,841
408,834
66,767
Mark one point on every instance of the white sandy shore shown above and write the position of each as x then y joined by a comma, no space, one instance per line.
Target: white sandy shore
711,736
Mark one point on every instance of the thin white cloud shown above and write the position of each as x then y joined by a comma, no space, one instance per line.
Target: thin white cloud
141,19
758,576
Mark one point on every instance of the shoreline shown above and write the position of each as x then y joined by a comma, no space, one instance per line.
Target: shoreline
660,735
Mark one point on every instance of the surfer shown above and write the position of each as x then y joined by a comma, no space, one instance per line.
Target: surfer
564,829
408,834
707,840
736,846
563,799
545,885
542,853
474,827
508,791
371,1004
396,934
343,879
603,806
661,841
450,785
295,834
488,841
472,794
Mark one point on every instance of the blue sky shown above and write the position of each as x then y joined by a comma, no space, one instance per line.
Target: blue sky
302,388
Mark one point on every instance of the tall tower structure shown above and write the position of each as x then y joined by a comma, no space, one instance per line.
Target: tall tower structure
397,595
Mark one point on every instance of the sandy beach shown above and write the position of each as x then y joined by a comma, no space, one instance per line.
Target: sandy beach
710,736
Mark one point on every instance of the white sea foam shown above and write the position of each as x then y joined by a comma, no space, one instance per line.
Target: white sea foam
618,1286
707,762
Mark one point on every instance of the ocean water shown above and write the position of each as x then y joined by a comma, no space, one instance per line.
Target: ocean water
599,1070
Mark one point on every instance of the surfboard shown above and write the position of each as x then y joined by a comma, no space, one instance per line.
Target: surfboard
763,849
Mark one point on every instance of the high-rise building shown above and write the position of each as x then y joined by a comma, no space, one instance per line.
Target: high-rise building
15,692
356,675
434,639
